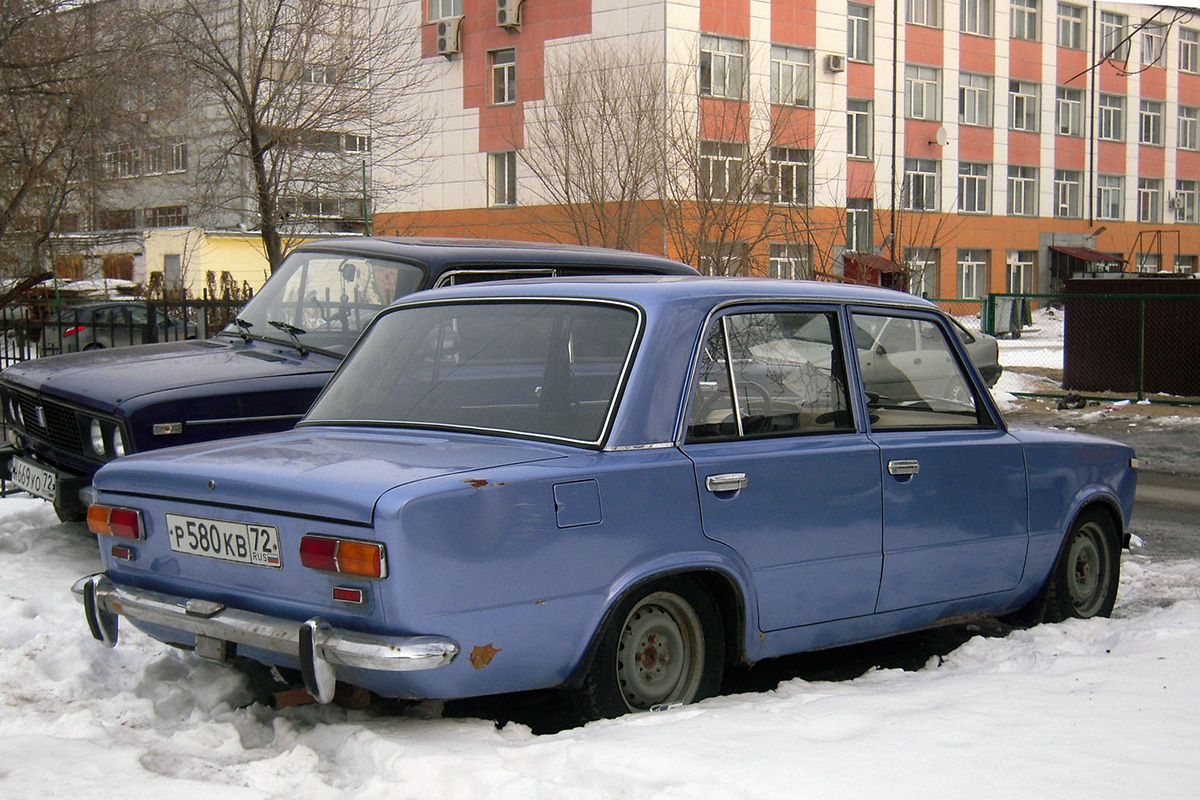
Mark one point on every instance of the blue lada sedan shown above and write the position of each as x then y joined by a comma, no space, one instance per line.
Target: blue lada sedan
614,486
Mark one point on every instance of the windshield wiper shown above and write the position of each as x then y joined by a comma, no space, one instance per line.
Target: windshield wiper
290,330
244,327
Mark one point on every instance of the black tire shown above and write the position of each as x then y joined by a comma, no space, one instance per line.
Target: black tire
663,645
1084,581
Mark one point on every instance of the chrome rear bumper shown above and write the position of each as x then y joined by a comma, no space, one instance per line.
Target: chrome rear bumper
317,645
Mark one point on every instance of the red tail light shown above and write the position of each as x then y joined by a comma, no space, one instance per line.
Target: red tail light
111,521
343,556
74,330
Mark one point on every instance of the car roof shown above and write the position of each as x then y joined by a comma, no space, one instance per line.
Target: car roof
440,254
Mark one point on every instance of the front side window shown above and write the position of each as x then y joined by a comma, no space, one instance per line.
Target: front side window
1150,199
1114,38
548,370
1023,108
1068,193
1068,112
790,169
770,374
503,178
911,375
1111,124
1110,196
971,270
1024,17
721,170
859,136
1070,26
922,92
974,99
791,76
858,32
722,67
1189,128
504,76
976,17
974,188
1022,191
920,189
1151,123
925,12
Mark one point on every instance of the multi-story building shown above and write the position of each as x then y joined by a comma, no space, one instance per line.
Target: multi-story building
954,147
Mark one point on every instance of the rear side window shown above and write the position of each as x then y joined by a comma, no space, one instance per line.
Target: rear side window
770,374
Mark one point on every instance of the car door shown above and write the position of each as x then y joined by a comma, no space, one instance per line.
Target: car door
783,475
955,515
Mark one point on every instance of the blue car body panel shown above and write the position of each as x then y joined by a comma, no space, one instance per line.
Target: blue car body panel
519,548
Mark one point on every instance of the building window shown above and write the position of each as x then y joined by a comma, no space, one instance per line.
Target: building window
791,76
1070,26
789,169
165,217
921,270
722,72
974,188
444,9
1022,191
721,170
1149,199
858,32
858,226
153,162
1068,112
976,17
357,143
1068,193
503,178
858,128
1023,105
789,260
919,191
1184,201
504,76
178,150
1110,196
974,99
722,258
1189,50
1020,269
971,274
1114,43
1149,263
1189,128
1185,265
1024,16
1111,125
925,12
922,93
1150,123
1153,40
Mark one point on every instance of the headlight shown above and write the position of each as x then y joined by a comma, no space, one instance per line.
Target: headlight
96,437
118,442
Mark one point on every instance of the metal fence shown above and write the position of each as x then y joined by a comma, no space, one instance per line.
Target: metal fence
1091,343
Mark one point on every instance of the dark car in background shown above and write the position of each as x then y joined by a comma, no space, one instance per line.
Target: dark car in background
70,414
102,325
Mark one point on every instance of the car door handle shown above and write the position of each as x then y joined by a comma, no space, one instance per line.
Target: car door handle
904,466
728,482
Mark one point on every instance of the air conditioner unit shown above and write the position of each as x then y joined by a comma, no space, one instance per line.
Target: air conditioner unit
835,62
508,13
447,36
1178,201
769,185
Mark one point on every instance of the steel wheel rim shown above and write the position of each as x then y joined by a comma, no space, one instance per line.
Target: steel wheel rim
1087,570
660,653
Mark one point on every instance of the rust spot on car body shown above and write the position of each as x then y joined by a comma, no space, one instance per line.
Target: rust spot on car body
476,483
482,655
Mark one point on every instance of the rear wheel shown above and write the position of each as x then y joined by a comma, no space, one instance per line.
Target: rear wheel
664,645
1084,581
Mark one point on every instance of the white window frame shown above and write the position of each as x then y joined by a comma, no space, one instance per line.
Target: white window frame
1068,194
1148,263
503,65
1149,200
974,188
129,160
927,13
975,17
921,265
444,9
791,169
1188,128
1150,122
1110,197
971,274
922,92
1153,41
1071,26
1186,193
859,224
791,76
1110,122
153,157
721,165
1020,267
722,67
1024,110
1112,30
1022,191
974,99
1068,111
502,178
859,32
789,260
1025,16
922,185
1185,264
860,134
358,143
1189,50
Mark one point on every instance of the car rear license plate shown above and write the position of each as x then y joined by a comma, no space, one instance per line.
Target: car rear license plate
34,479
239,542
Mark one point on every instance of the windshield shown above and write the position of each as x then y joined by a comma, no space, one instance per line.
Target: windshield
323,301
546,369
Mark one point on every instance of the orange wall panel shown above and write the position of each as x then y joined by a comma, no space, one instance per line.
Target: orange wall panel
1025,60
726,17
977,54
924,46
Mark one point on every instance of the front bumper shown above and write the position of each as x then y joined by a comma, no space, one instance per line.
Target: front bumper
318,646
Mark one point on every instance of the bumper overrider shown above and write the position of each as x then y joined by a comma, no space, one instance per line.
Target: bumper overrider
315,644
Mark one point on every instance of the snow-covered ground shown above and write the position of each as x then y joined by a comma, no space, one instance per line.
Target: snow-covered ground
1104,708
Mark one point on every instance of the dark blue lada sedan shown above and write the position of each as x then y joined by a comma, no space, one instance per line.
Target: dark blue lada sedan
617,487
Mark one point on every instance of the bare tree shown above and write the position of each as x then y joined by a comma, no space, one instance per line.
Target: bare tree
302,94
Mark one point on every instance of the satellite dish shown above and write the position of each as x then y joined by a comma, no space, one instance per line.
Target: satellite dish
941,137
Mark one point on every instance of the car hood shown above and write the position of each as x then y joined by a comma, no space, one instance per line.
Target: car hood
332,473
106,378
